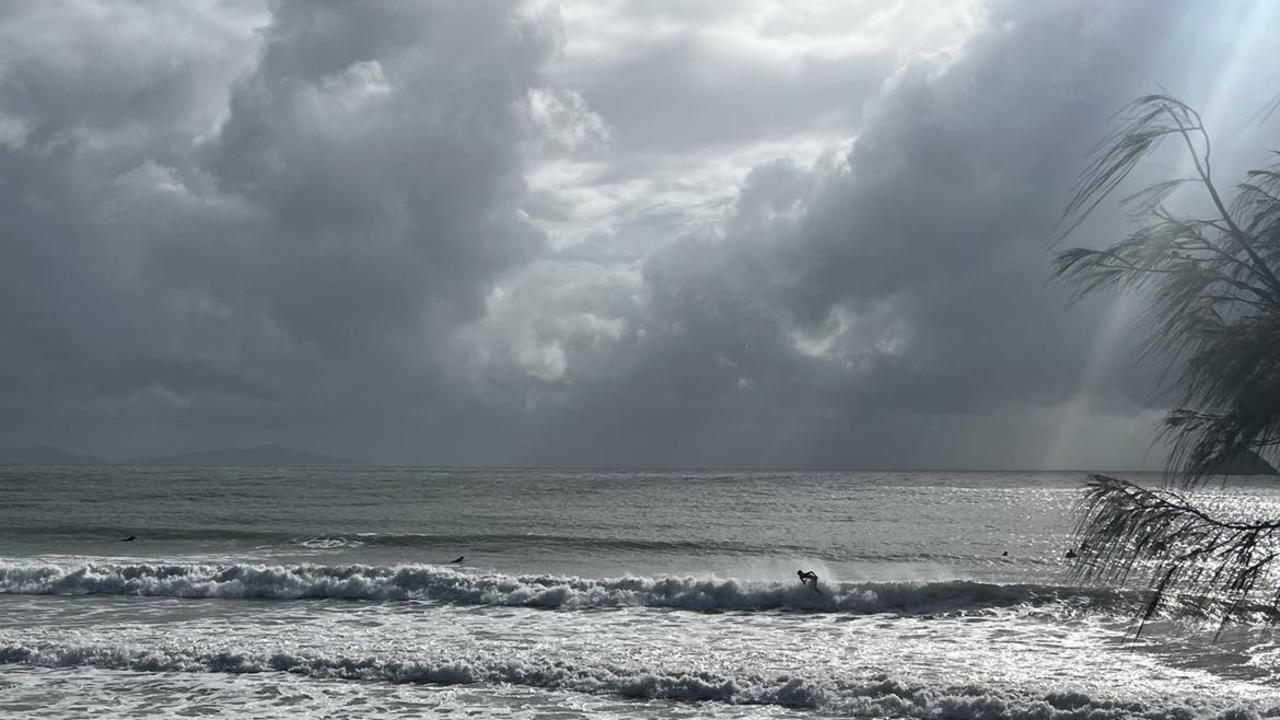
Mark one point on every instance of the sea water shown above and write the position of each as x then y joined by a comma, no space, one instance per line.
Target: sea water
286,593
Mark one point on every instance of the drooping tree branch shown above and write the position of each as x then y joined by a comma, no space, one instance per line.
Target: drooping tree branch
1193,558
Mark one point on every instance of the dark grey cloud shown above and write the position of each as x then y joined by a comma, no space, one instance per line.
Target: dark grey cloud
306,223
237,243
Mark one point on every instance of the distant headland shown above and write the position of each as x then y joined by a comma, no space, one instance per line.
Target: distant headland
1246,463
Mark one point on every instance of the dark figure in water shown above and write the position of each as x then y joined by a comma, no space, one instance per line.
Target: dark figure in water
131,538
810,578
1004,554
1071,554
455,562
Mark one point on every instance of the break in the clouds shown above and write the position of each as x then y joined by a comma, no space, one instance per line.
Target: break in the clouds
758,233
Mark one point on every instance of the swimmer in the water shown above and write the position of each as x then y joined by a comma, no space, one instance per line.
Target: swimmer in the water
455,562
131,538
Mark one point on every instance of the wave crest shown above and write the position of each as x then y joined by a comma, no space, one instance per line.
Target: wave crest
439,584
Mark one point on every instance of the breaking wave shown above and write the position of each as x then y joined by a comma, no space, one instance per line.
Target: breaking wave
870,697
445,585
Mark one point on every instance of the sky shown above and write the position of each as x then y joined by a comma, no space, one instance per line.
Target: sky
696,233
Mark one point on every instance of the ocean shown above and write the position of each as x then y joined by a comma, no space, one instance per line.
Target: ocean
312,592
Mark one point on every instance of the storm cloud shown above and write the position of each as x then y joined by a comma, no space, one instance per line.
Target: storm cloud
582,234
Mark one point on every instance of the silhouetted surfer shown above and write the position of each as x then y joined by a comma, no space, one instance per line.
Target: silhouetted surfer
455,562
131,538
810,578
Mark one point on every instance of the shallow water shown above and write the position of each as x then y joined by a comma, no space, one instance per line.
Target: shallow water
287,593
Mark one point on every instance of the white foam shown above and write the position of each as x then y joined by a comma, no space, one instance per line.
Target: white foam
874,697
435,583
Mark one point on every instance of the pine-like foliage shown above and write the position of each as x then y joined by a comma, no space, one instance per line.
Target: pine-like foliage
1213,307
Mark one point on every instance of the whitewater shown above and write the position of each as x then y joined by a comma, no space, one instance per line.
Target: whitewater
286,593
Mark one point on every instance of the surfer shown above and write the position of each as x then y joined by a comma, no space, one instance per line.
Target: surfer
131,538
809,578
455,562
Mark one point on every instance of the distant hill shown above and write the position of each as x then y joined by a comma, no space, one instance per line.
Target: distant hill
45,455
1246,463
261,455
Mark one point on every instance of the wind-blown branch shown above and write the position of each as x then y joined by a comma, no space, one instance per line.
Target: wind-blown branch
1193,559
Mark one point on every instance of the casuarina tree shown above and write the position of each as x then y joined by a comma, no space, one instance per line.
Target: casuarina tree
1212,298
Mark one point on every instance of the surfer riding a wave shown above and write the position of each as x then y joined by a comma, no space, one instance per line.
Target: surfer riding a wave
809,578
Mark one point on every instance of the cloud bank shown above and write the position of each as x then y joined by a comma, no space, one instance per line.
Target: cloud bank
581,233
